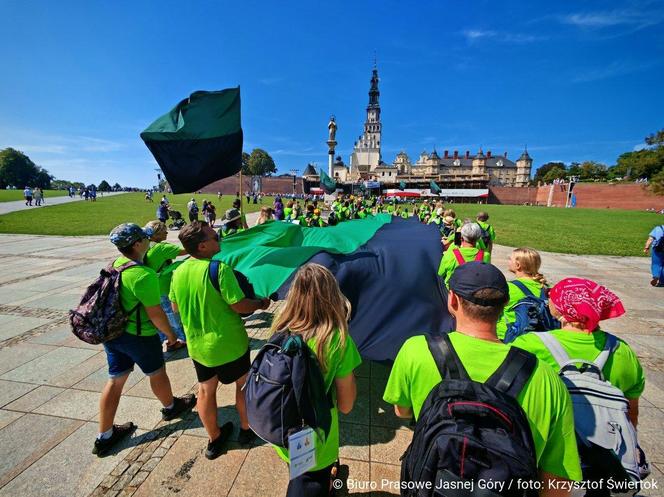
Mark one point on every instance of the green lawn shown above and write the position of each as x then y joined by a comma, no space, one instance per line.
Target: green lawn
11,195
573,231
100,217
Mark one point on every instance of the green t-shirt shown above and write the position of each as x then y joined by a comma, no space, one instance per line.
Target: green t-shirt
215,332
287,212
157,258
138,285
544,398
449,263
340,363
509,316
623,369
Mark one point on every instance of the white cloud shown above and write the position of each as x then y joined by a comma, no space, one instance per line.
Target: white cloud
614,69
635,18
474,35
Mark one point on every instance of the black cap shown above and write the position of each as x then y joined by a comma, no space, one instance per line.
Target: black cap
471,277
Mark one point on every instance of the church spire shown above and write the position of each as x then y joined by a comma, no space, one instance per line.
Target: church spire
374,93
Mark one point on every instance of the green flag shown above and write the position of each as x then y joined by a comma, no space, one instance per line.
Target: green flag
434,187
402,185
327,183
199,141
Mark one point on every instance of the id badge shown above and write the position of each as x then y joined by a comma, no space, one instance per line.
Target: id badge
302,452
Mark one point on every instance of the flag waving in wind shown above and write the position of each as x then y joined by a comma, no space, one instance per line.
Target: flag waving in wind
199,141
434,187
402,185
327,183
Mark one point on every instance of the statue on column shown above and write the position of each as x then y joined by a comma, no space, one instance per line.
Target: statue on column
332,128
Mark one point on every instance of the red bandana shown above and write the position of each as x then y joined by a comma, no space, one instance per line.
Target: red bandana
584,301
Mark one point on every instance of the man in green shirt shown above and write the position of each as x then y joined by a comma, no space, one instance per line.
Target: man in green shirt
482,220
216,338
468,251
160,257
139,344
478,292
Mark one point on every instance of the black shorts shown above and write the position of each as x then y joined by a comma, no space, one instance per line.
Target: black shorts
226,373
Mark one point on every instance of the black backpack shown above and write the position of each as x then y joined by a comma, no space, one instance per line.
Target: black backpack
242,281
658,245
486,236
471,431
285,391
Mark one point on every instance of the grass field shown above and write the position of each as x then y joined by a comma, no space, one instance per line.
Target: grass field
12,195
572,231
100,217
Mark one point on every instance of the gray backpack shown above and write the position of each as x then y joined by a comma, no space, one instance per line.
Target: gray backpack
605,436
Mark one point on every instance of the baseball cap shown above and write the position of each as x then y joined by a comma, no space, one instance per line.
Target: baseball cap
471,277
231,215
127,234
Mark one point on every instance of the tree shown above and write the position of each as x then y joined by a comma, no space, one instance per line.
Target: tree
117,187
260,163
542,171
554,173
592,170
639,164
657,183
104,186
656,139
16,169
245,163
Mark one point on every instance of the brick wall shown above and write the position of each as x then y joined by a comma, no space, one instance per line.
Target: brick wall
511,195
228,186
594,195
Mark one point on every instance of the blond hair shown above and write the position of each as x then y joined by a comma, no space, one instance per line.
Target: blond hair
315,308
157,227
449,212
530,262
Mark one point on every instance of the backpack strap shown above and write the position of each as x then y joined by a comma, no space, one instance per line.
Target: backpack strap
514,372
459,257
214,274
480,256
554,347
447,361
610,346
522,287
137,307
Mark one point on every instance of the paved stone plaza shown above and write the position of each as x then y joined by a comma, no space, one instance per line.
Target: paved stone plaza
50,384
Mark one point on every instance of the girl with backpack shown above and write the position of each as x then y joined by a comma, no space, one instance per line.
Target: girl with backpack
525,264
580,305
316,310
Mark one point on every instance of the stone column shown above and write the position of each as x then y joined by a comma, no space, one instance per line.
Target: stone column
331,144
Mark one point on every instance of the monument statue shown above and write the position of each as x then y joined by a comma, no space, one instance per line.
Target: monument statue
332,127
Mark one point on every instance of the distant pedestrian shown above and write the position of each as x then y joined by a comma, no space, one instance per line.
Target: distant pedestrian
218,195
192,210
38,196
162,211
655,244
27,195
212,213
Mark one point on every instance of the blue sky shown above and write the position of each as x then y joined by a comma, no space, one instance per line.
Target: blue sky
575,80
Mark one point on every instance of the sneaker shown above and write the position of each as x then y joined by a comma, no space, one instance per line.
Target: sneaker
180,405
102,446
216,448
654,282
246,437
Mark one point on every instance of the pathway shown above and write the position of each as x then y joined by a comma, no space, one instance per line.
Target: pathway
50,384
19,205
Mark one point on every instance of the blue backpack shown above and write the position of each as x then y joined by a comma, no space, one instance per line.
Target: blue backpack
532,314
285,391
658,245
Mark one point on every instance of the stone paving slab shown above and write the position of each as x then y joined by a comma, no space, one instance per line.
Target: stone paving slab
50,379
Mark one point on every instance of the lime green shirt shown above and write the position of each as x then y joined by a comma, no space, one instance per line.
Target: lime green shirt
340,363
449,262
139,285
623,369
544,398
516,295
287,212
215,332
158,258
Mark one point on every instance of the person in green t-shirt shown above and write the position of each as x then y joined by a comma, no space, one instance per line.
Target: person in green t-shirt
482,218
231,223
470,233
580,305
316,309
525,264
160,257
216,338
139,344
544,399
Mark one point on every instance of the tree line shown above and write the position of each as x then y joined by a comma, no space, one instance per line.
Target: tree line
645,164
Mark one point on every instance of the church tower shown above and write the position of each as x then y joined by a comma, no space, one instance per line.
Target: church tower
366,152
